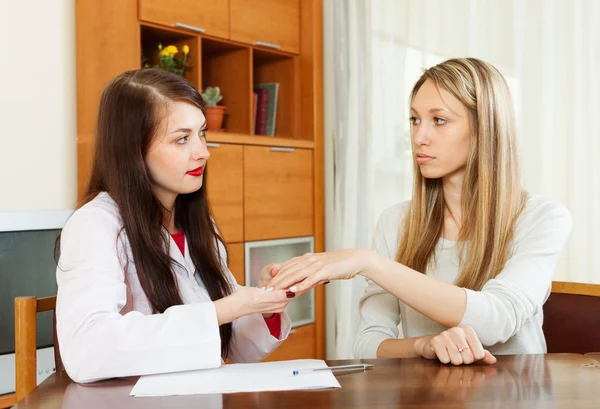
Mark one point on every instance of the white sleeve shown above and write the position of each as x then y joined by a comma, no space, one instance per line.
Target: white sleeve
379,310
506,303
251,339
96,341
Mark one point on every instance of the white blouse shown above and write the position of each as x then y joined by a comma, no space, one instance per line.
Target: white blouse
506,314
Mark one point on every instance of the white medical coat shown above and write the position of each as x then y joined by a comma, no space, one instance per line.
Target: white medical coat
105,324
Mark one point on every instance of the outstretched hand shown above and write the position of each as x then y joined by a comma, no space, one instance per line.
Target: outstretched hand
300,274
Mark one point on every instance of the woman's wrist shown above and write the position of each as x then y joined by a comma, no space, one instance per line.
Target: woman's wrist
419,344
227,309
422,346
372,264
398,348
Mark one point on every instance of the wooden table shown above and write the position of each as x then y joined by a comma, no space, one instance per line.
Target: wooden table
526,381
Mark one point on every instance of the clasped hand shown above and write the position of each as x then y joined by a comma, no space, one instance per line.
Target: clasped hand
456,346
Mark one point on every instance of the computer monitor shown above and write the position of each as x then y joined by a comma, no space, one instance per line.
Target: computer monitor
27,268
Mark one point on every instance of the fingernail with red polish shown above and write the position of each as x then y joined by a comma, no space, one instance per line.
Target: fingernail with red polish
290,294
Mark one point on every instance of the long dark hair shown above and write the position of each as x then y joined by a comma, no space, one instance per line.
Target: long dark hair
131,109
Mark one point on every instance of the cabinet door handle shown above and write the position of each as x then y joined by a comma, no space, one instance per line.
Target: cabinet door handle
278,149
212,145
190,27
269,45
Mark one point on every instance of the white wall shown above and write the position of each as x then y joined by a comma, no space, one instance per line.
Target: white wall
38,164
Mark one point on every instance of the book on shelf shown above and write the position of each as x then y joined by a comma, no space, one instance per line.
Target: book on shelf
266,110
262,102
254,107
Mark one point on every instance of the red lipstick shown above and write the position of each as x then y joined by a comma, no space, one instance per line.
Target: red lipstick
197,172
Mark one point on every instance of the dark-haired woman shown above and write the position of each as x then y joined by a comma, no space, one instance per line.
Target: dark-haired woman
143,283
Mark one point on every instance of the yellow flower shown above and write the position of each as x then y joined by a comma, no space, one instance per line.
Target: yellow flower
186,49
172,49
159,47
164,53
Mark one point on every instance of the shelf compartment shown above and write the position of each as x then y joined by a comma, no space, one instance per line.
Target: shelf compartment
228,66
275,67
151,36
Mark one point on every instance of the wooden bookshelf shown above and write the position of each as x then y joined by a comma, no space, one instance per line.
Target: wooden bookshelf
260,187
245,139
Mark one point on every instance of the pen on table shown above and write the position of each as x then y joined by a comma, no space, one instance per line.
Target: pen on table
335,368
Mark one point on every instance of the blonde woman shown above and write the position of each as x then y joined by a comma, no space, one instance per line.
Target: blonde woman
467,264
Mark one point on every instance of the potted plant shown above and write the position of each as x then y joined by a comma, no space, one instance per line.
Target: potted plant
214,113
168,59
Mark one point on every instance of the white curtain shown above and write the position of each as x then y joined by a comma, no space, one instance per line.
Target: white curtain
549,51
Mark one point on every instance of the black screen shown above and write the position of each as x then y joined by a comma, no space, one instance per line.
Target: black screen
27,268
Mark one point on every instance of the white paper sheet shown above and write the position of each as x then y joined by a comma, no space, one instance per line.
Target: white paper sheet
259,377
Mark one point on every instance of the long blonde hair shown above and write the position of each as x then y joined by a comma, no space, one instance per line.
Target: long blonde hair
492,196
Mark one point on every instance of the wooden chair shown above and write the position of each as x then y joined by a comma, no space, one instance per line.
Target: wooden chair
572,318
26,309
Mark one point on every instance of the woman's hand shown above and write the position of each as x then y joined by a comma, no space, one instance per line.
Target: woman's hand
266,274
458,345
300,274
251,300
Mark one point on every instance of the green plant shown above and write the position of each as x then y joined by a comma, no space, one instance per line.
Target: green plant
167,60
212,96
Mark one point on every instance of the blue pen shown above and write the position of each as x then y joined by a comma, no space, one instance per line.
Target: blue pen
335,368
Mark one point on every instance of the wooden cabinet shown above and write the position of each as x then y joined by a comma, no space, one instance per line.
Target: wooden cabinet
225,189
300,344
205,16
236,261
274,23
100,31
278,193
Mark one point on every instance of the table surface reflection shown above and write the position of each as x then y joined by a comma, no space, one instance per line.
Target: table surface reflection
521,381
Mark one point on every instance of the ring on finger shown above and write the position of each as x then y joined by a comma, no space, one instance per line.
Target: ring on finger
460,349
